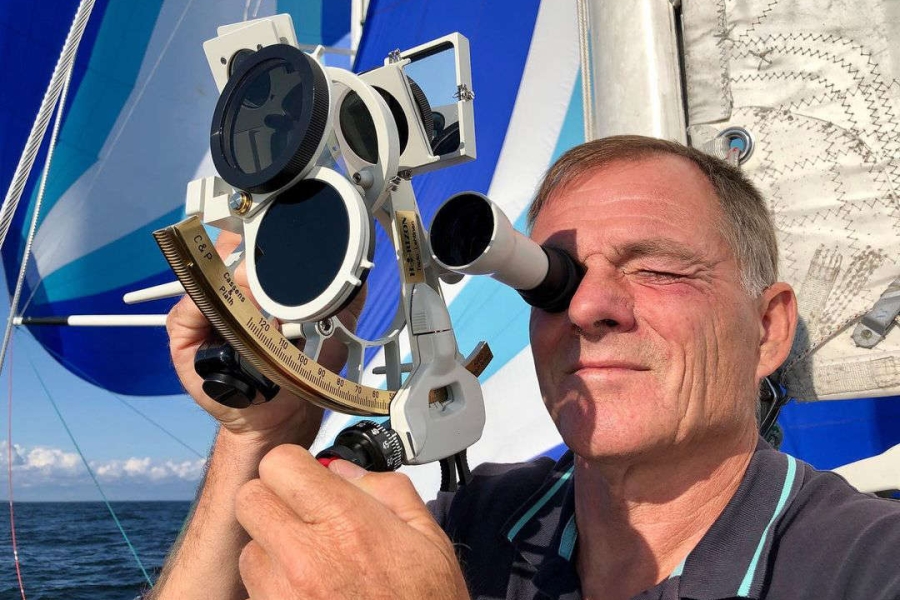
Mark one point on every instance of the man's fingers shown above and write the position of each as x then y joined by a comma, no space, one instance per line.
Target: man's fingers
186,322
257,571
227,242
269,521
291,472
339,533
393,490
240,275
314,493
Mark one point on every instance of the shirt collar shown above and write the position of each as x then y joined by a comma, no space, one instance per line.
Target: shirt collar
544,533
731,560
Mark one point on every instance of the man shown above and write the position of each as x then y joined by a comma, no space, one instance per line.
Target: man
651,377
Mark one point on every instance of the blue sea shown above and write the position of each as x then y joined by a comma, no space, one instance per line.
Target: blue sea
74,551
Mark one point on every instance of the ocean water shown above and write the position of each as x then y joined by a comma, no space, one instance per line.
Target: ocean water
74,551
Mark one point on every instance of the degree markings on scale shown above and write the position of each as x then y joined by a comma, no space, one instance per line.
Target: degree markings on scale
204,276
239,321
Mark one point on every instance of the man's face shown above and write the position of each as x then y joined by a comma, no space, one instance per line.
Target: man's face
660,344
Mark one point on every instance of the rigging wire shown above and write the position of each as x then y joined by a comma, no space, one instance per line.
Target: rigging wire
91,473
14,303
584,53
13,307
86,377
78,372
30,241
9,479
62,71
159,426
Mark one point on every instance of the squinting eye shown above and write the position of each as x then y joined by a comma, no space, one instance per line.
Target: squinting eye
660,275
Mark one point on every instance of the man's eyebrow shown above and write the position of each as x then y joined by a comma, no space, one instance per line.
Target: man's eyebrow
661,247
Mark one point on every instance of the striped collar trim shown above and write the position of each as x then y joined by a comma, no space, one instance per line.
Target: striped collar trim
534,506
732,559
543,532
543,518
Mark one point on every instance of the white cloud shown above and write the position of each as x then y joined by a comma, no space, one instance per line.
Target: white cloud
145,468
43,465
49,459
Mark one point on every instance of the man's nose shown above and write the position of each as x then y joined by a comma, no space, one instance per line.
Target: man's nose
602,303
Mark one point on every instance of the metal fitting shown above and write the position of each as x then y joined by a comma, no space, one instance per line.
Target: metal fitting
463,93
239,202
325,327
739,139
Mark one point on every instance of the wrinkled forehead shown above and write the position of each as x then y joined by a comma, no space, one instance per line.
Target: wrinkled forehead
668,184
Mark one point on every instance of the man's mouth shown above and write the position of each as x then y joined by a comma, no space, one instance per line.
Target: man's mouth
606,365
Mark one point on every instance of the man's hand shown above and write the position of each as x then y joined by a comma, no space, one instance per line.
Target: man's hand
203,562
286,417
340,532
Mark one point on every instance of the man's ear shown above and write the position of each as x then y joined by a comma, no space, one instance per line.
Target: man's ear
778,322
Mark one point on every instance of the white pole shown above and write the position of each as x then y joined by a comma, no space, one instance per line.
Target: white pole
292,331
636,69
96,320
163,290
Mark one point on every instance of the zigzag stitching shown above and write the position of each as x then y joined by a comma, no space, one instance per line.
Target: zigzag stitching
843,212
856,267
803,75
855,73
724,54
851,69
763,15
827,95
831,95
777,204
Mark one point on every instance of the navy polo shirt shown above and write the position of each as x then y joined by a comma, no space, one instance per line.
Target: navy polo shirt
789,532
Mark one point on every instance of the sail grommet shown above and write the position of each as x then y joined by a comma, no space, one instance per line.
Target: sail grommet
739,140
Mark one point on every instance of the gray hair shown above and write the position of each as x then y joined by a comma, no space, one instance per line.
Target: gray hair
747,225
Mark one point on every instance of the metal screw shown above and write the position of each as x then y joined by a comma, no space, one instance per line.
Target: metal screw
240,202
866,333
394,56
325,327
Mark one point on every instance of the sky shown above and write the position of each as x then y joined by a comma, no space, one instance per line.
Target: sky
132,457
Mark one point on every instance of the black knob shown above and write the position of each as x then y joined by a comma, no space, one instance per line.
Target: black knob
369,445
228,390
229,379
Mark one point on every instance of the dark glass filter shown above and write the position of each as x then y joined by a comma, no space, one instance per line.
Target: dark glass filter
358,128
268,117
301,242
461,230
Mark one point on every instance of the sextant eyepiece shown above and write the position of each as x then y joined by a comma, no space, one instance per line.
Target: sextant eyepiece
471,235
